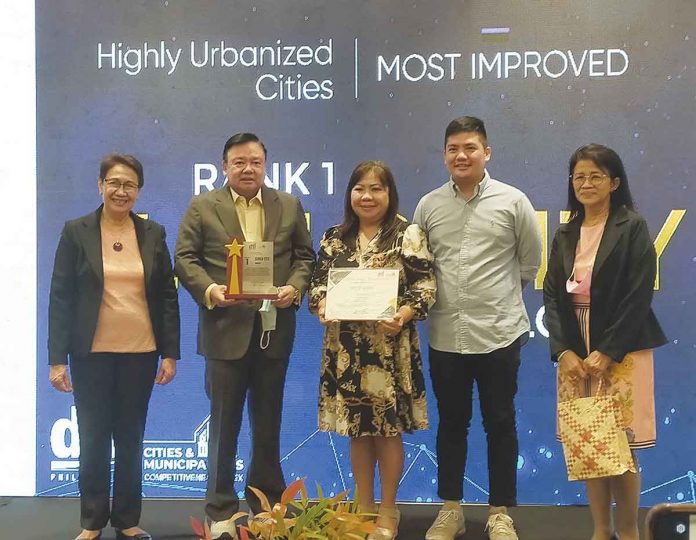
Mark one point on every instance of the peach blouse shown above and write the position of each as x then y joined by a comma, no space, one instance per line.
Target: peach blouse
124,324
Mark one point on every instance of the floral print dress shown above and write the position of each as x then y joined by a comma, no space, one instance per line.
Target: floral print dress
372,383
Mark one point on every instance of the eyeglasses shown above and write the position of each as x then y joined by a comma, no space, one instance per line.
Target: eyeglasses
116,184
595,179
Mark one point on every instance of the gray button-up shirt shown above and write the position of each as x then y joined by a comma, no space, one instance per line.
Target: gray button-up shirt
484,249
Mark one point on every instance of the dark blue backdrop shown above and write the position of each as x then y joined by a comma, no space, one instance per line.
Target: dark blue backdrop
542,80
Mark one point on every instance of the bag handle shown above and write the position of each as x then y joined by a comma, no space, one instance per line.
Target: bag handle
600,387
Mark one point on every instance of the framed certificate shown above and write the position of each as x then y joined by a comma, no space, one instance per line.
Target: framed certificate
362,294
250,270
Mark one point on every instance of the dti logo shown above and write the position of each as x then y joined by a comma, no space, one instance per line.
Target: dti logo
65,440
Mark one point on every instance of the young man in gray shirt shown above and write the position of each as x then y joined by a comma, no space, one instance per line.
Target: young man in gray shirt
487,245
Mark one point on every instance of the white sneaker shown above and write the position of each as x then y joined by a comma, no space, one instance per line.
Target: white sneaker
500,527
223,530
448,525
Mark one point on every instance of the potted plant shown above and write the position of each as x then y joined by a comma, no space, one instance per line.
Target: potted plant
327,518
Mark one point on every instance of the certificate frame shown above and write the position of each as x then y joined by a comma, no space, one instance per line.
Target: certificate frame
362,294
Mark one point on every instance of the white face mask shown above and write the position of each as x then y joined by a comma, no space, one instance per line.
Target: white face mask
579,287
268,322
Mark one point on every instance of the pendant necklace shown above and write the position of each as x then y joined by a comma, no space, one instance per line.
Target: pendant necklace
117,246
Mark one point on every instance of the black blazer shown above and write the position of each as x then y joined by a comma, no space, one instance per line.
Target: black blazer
77,286
623,277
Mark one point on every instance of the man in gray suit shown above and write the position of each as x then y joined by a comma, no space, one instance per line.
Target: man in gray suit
246,344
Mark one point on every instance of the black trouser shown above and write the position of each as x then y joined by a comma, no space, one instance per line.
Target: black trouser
112,392
453,377
227,384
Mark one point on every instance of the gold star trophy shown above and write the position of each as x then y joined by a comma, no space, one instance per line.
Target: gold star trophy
250,270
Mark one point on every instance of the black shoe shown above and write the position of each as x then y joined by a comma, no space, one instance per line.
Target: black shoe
137,536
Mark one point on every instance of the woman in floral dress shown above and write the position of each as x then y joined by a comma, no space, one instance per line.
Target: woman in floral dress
372,386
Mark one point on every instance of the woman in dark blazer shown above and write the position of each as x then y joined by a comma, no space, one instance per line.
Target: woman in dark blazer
597,294
113,312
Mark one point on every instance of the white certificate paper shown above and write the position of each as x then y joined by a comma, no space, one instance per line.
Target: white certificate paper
361,294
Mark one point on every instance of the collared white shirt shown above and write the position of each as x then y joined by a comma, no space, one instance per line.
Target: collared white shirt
484,249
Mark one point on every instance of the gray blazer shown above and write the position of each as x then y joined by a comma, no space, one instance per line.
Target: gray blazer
201,259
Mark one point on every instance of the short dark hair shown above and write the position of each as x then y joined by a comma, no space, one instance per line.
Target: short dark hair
390,223
242,138
610,163
111,160
467,124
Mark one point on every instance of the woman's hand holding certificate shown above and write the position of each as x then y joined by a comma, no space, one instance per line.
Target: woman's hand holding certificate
394,326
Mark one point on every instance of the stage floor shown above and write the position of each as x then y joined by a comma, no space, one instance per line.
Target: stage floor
43,518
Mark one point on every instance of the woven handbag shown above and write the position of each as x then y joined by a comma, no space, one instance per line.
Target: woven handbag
595,445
